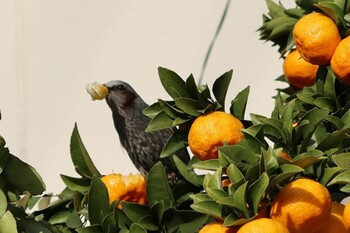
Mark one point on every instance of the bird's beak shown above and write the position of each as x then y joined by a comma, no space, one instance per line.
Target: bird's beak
97,90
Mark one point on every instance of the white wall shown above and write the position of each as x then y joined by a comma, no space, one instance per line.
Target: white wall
49,50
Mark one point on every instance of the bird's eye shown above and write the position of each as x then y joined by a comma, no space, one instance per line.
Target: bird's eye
120,87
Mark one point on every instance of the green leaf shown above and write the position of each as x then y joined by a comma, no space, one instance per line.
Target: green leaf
188,105
80,156
213,180
342,178
59,217
157,180
173,84
216,194
137,228
188,174
239,103
329,173
76,184
153,110
220,87
98,203
256,191
210,164
157,211
134,211
333,140
342,160
8,223
73,220
333,11
208,207
175,143
234,220
160,121
28,179
234,174
275,10
240,199
3,203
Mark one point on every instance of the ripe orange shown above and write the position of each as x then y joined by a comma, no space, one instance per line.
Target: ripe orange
303,206
131,188
263,225
299,72
335,222
316,36
340,62
212,130
217,227
346,216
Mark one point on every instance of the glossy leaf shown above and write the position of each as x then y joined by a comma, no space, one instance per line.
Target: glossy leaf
188,174
157,180
220,87
160,121
76,184
256,191
98,203
80,157
239,103
28,179
208,207
174,85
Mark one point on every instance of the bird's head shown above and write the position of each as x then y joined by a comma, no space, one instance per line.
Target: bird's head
120,94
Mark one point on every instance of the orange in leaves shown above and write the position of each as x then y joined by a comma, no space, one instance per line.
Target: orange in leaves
217,227
340,62
130,188
298,72
316,36
263,225
335,222
212,130
303,206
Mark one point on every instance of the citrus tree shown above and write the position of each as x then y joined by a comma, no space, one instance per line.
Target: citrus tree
248,163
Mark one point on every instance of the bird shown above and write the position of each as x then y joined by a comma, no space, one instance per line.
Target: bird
143,147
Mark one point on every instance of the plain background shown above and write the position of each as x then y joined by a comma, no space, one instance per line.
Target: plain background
49,51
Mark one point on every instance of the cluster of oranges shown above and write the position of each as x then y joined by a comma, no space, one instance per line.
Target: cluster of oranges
318,43
302,206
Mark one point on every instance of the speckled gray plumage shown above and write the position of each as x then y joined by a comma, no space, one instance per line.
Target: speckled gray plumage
142,147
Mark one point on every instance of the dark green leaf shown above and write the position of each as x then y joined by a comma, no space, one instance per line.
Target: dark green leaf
234,174
28,179
333,11
220,87
137,228
188,174
239,103
76,184
240,199
153,110
188,105
333,140
275,10
157,211
256,192
73,220
329,174
216,194
80,156
160,121
98,203
134,211
210,164
59,218
208,207
157,180
176,142
174,85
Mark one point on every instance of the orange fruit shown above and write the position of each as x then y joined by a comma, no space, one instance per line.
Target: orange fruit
217,227
340,62
335,222
263,225
131,188
211,130
316,36
346,216
299,72
303,206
